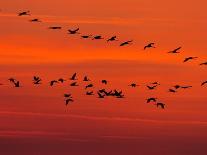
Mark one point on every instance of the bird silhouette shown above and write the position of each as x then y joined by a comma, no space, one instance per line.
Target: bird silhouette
133,85
89,86
53,82
203,83
55,27
35,20
86,36
89,93
204,63
86,78
36,80
100,95
68,100
74,76
24,13
112,39
151,99
126,43
104,81
161,105
150,45
74,84
177,86
151,87
175,50
97,37
67,95
74,31
186,87
172,91
12,80
189,58
61,80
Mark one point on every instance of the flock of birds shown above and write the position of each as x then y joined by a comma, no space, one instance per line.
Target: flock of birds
102,93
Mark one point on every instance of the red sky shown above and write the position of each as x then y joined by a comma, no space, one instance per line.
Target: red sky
34,119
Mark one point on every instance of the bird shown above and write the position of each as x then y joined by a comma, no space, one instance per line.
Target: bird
89,86
151,87
203,83
53,82
74,84
189,58
204,63
97,37
74,77
67,95
177,86
162,105
172,91
126,43
86,78
118,94
35,20
74,31
152,99
86,36
36,80
68,100
12,80
17,84
89,93
155,83
100,95
175,50
24,13
61,80
112,39
104,81
55,27
186,87
133,85
150,45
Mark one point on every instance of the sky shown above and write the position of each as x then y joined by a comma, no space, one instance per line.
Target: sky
34,119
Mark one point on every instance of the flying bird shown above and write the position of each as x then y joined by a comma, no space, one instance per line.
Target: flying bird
24,13
36,80
175,50
112,39
189,58
152,99
97,37
204,63
172,91
133,85
74,31
89,86
89,93
150,45
68,100
53,82
86,78
104,81
126,43
61,80
74,77
86,36
152,87
203,83
55,27
74,84
161,105
35,20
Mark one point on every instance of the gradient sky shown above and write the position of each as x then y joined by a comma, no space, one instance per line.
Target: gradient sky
34,119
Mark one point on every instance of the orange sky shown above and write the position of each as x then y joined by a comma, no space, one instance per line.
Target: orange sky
33,117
